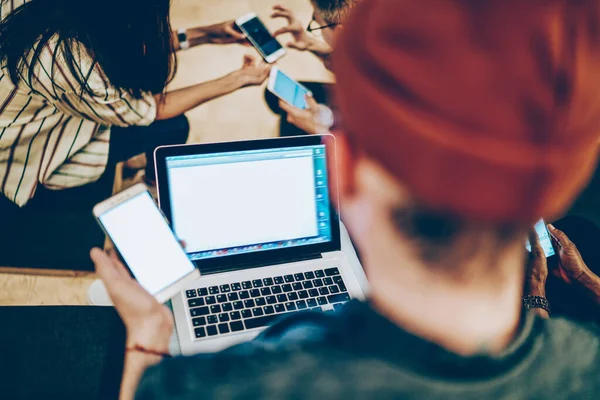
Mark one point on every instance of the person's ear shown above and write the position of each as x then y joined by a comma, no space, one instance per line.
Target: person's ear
342,167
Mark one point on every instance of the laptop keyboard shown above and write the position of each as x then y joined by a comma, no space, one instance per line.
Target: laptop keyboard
240,306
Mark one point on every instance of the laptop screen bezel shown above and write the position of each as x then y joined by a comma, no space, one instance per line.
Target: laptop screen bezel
264,257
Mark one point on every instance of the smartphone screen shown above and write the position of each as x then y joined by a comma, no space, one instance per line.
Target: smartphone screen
145,241
544,236
260,36
290,91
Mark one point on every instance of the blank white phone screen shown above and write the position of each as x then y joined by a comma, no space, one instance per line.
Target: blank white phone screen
146,243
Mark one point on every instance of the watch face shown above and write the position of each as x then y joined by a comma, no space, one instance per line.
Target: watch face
182,37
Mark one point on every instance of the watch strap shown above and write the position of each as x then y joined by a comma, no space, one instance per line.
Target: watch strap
184,44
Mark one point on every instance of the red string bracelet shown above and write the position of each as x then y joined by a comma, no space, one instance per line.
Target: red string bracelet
144,350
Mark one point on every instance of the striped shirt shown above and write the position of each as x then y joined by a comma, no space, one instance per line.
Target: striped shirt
53,133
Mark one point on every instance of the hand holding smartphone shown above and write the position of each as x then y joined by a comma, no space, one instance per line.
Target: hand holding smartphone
287,89
545,240
257,33
145,242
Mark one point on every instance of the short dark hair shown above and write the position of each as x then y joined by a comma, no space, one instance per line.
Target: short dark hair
130,40
334,11
435,234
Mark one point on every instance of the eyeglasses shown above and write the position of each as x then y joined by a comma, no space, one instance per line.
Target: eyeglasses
314,27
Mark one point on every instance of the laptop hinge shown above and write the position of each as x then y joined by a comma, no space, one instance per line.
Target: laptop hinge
237,267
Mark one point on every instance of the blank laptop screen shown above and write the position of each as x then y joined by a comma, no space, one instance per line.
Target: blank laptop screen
248,201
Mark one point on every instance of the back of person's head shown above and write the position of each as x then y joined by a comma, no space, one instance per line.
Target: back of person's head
334,11
129,39
467,118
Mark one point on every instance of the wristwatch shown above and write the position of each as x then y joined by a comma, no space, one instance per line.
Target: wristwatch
324,118
183,39
530,302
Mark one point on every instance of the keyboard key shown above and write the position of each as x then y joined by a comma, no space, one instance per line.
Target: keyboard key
246,314
247,285
322,301
338,279
222,298
265,291
257,283
282,298
342,287
255,293
260,301
223,317
190,293
338,306
319,273
202,291
338,298
309,275
213,290
215,309
301,304
318,282
257,312
278,280
332,271
271,300
238,305
297,286
244,294
237,326
225,288
279,308
289,278
260,321
235,315
233,296
236,286
227,307
212,319
200,311
316,309
299,277
200,333
269,310
223,328
249,303
290,306
328,281
323,291
211,330
201,321
276,289
311,302
313,292
211,300
268,281
303,294
307,285
293,296
287,288
197,302
333,289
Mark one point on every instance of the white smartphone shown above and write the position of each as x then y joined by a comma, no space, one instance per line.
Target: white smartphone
545,241
287,89
145,242
260,37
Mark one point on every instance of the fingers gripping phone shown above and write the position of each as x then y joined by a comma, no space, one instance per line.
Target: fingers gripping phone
287,89
145,242
256,32
545,240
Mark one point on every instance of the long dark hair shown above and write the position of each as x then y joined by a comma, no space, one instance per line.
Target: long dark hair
130,40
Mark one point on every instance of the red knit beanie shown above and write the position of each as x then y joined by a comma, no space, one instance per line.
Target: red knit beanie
488,109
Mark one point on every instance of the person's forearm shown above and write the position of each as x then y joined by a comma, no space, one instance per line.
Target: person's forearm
136,364
591,284
177,102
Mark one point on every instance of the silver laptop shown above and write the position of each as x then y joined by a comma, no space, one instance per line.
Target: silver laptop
260,223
